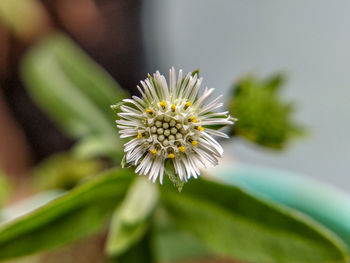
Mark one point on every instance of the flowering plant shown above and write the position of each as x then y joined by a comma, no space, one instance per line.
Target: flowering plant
172,124
171,130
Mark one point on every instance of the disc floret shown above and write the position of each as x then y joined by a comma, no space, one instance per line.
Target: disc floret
170,130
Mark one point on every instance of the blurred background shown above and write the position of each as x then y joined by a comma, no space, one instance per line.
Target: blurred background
308,42
109,31
62,64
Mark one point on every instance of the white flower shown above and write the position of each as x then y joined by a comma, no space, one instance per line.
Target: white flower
172,123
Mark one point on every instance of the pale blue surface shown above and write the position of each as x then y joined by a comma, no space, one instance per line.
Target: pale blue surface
326,204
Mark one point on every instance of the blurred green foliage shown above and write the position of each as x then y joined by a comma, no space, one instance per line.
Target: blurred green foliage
76,214
5,188
174,245
263,117
226,220
75,92
22,17
233,223
131,220
219,220
64,171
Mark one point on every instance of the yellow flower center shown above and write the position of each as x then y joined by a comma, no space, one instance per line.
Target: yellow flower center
182,149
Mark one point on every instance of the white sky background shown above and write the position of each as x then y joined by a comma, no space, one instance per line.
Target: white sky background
309,40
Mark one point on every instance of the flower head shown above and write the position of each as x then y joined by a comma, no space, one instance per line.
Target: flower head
172,123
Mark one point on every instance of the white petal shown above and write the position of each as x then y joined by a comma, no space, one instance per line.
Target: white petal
216,133
195,90
137,104
202,99
212,105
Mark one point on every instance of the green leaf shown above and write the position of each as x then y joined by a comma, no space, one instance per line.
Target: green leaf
131,221
73,90
64,171
141,252
92,80
325,203
264,118
95,146
176,246
172,245
80,212
29,204
235,224
174,178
